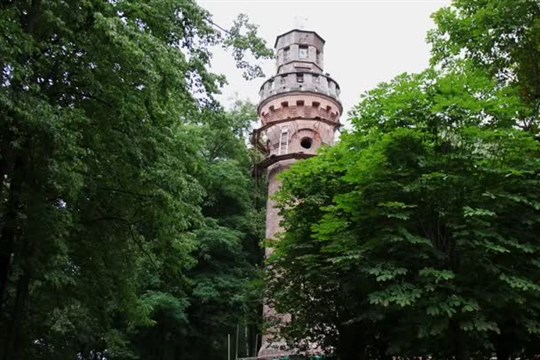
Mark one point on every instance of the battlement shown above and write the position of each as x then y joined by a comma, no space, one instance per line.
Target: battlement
300,81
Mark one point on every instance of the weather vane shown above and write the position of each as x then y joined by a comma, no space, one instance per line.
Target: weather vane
300,22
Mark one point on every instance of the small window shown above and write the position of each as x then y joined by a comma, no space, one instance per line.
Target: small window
286,54
283,79
328,108
317,79
318,59
300,78
302,52
300,103
285,104
283,141
272,85
316,104
271,108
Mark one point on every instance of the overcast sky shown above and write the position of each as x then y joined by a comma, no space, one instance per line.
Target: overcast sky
367,41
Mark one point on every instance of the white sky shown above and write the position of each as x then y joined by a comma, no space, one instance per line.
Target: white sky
367,41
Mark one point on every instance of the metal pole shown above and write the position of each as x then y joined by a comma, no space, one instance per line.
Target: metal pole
246,338
236,348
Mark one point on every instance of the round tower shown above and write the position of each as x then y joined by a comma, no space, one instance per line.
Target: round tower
299,111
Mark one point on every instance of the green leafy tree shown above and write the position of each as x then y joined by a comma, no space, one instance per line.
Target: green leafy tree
224,292
416,234
501,36
227,283
101,200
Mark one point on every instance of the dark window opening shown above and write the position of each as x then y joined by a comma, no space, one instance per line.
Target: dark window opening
316,104
285,104
318,59
300,78
328,108
300,103
271,107
306,143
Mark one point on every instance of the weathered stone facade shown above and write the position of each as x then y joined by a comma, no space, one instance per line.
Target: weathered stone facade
299,112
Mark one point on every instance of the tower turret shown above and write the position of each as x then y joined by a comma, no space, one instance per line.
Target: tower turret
299,49
299,111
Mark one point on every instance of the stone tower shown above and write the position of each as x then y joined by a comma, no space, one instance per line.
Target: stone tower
299,111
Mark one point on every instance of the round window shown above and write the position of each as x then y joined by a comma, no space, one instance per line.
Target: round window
306,142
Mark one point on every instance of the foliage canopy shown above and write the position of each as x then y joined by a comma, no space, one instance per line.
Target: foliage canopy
117,236
416,234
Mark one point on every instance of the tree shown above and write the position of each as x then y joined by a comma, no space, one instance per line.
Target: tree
100,199
227,292
223,293
404,239
501,36
415,235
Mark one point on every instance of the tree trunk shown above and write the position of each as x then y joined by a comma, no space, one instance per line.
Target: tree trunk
461,348
505,342
502,353
13,336
351,346
382,347
7,234
6,158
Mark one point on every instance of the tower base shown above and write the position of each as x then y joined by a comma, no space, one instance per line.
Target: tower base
274,350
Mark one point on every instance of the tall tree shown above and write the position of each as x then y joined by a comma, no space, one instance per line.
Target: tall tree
416,234
99,196
404,239
223,286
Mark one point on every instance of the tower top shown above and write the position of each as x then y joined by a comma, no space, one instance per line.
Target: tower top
299,50
300,32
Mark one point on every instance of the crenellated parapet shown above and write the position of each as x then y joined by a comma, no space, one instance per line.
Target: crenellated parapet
316,83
